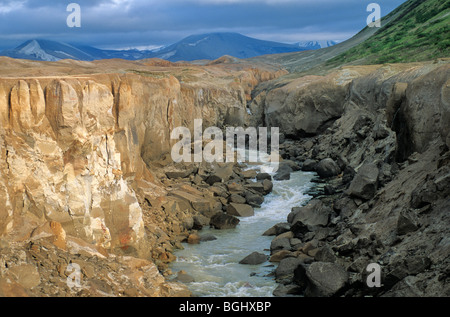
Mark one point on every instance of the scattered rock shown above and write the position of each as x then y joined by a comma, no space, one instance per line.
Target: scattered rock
280,244
240,210
327,168
267,186
224,221
185,278
207,237
283,173
238,199
365,183
284,273
325,254
193,239
277,229
405,224
280,255
263,176
285,290
254,259
309,165
315,213
249,174
254,200
325,279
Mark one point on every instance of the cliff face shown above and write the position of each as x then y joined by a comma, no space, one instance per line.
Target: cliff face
412,99
81,153
378,136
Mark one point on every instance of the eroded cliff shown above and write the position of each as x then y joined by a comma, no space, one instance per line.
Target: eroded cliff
82,158
378,138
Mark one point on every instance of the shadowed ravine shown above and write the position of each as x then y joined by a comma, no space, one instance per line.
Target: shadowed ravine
214,265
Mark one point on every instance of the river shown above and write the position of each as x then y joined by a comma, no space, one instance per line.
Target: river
214,265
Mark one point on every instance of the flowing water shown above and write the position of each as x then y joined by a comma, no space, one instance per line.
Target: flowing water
215,264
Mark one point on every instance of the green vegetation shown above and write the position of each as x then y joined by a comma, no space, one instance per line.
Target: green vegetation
420,32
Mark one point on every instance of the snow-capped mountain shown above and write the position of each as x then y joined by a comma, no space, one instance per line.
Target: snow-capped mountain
45,50
214,45
196,47
315,45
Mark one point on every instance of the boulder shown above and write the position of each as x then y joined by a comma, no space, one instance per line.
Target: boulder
405,224
254,200
255,186
283,173
207,237
309,165
220,174
325,279
240,210
193,239
254,259
327,168
364,185
277,229
249,174
284,273
174,173
183,277
200,221
300,229
224,221
285,290
267,186
325,254
280,244
315,213
280,255
238,199
235,188
263,176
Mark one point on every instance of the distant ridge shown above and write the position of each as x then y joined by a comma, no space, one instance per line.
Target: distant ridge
209,46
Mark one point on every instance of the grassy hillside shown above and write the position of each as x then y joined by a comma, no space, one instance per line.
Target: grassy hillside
421,31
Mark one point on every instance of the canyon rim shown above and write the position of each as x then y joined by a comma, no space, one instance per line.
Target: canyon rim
96,199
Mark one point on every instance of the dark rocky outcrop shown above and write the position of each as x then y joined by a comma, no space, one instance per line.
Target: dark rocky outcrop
384,199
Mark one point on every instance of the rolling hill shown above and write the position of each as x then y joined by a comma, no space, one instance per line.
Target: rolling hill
418,30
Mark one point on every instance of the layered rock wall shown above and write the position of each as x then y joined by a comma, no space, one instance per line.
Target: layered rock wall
78,150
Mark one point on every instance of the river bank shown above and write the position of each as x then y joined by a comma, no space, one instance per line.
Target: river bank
215,268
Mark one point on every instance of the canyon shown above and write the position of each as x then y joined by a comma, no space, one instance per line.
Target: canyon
86,174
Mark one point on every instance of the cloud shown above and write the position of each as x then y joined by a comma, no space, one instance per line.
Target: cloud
130,23
11,6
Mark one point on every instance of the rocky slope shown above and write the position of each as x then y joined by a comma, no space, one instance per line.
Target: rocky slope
86,175
378,138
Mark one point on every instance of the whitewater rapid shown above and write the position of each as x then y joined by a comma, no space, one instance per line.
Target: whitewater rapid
214,265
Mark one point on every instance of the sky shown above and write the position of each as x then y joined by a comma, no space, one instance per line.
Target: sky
120,24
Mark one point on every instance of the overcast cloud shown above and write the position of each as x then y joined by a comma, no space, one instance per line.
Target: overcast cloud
139,23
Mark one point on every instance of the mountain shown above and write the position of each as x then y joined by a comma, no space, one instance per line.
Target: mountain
416,31
419,32
196,47
45,50
315,45
214,45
